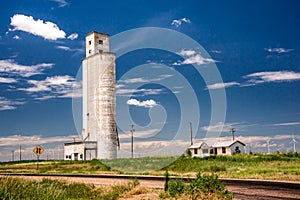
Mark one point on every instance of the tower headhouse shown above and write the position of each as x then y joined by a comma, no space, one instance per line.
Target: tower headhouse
96,43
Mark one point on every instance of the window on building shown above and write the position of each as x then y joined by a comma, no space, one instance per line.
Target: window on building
67,156
101,42
81,156
237,149
205,151
211,151
195,151
223,149
90,42
90,51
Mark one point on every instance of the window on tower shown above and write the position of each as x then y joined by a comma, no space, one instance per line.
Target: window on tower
90,42
101,42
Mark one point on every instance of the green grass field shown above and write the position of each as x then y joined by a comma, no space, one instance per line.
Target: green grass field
274,166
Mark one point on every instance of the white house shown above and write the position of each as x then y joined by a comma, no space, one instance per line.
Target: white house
203,149
199,150
227,148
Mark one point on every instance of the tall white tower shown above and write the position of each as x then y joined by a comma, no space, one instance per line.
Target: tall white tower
99,95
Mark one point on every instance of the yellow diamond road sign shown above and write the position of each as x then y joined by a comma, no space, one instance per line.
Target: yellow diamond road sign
38,150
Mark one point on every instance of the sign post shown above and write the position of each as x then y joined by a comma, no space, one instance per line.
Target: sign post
38,150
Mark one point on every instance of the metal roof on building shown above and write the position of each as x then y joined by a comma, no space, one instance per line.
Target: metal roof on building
226,143
197,145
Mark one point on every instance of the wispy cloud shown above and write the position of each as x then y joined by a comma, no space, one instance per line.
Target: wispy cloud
225,127
145,79
222,85
178,22
274,76
6,104
73,36
140,134
65,48
7,80
278,50
138,92
216,51
288,124
61,3
47,30
16,140
54,87
10,66
16,37
124,86
147,103
192,57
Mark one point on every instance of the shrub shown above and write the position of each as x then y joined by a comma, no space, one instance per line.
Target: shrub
207,184
215,168
176,187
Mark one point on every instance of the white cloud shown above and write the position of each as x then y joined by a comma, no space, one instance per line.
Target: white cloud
178,22
216,51
288,124
123,91
145,80
61,3
147,103
64,48
132,92
187,52
16,140
6,104
10,66
225,127
7,80
73,36
47,30
217,127
278,50
192,57
16,37
222,85
140,133
54,87
275,76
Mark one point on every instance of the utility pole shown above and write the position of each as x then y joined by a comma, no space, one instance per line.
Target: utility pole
132,130
12,155
232,130
191,133
268,145
20,153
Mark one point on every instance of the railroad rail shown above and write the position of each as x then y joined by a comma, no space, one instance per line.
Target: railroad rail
242,188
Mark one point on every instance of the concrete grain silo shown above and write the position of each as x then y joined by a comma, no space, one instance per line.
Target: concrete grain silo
99,96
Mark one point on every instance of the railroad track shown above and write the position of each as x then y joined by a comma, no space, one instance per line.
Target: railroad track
242,189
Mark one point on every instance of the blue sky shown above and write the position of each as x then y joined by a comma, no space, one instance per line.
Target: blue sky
254,45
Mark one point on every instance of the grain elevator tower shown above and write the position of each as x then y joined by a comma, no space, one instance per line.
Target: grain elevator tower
99,95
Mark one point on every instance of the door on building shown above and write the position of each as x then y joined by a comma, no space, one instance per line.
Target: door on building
75,156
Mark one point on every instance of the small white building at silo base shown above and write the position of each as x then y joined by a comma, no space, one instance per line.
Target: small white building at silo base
80,151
